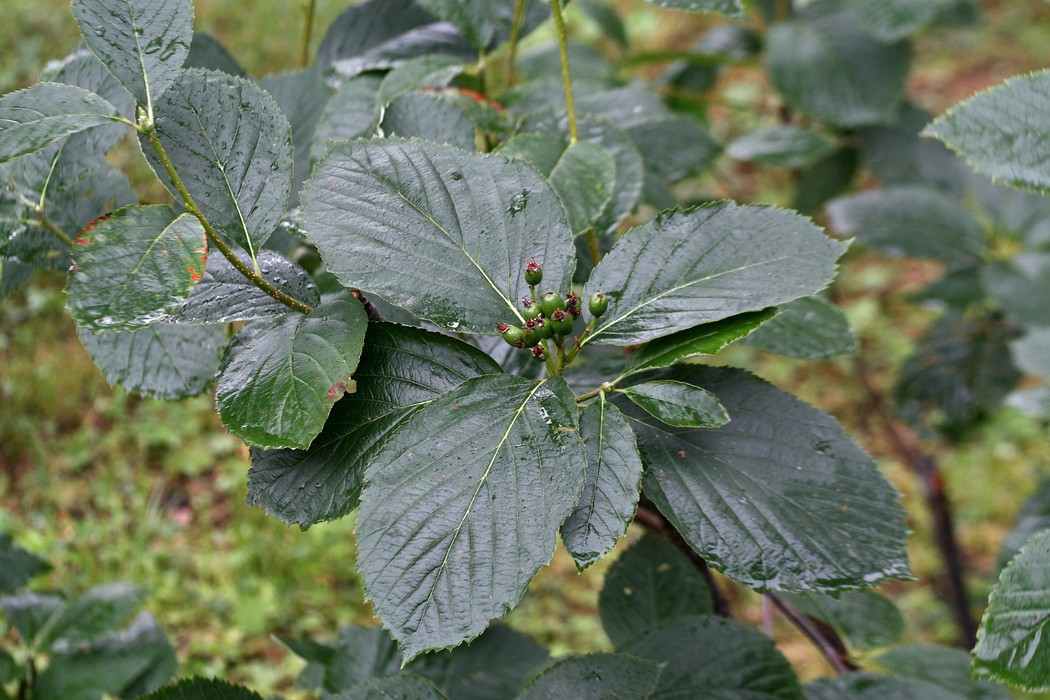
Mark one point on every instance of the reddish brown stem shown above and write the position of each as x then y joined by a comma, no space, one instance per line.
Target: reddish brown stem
824,638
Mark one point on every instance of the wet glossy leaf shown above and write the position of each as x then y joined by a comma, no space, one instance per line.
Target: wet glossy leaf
392,688
865,618
610,493
729,8
709,656
463,506
279,388
1004,132
400,370
595,677
224,295
18,566
36,117
484,23
430,71
810,328
707,264
827,66
208,52
780,498
203,689
650,585
439,232
429,117
944,667
674,147
891,20
869,686
134,267
358,655
162,361
679,404
352,111
705,339
232,147
1012,641
781,146
301,96
913,221
1033,519
101,610
143,42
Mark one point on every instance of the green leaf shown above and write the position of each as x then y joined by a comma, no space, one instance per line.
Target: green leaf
869,686
780,498
678,404
705,339
101,610
827,178
144,43
401,369
729,8
17,566
594,677
208,52
781,146
610,492
1004,132
202,689
897,155
1033,519
827,66
115,663
10,670
463,506
484,23
37,116
606,19
134,267
429,117
430,71
224,295
652,584
913,221
709,656
867,619
162,361
13,274
944,667
674,147
1020,285
392,688
892,20
810,328
302,97
279,388
29,612
1012,641
706,264
495,665
232,147
396,217
352,111
584,179
358,655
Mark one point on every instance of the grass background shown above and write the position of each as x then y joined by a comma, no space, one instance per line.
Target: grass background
109,486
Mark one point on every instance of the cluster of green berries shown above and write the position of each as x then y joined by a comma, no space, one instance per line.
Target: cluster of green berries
549,316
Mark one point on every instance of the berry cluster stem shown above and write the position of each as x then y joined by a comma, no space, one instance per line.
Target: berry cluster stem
566,75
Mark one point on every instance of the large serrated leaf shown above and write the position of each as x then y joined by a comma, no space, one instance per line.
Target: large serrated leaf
610,493
679,404
897,155
705,339
352,111
134,267
707,264
781,146
1033,519
729,8
865,618
943,667
17,566
483,23
202,689
225,295
810,328
594,677
279,388
401,369
1012,640
442,233
232,148
34,118
650,585
709,656
301,96
425,116
162,361
780,498
463,506
403,687
1004,132
914,221
143,42
103,609
827,66
869,686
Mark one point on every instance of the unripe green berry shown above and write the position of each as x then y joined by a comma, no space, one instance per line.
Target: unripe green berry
532,311
545,328
551,302
598,304
512,334
533,272
561,322
531,337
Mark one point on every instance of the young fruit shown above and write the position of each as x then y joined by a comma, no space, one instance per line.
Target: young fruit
551,302
561,322
532,311
533,272
537,352
598,304
512,334
572,304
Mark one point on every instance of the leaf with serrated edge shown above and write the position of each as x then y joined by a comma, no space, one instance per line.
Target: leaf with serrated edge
1004,132
729,8
1012,641
593,677
37,116
134,267
584,178
705,339
679,404
143,42
810,328
401,370
278,389
706,264
463,506
202,689
780,498
440,232
232,147
610,493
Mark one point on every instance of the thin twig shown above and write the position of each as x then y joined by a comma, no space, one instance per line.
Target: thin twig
308,27
829,645
566,74
515,35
